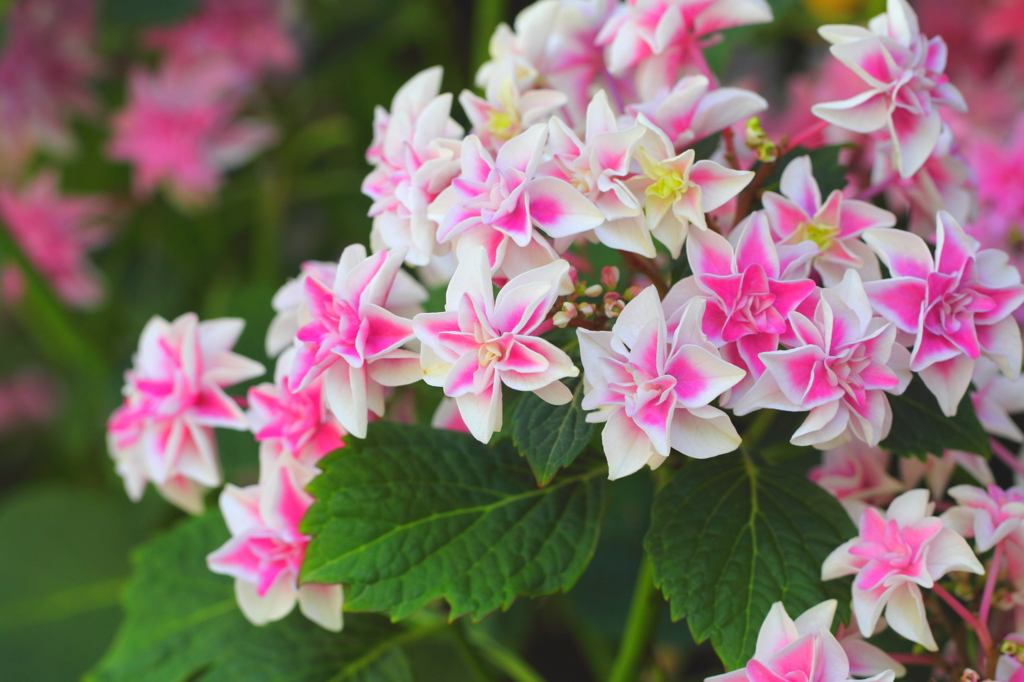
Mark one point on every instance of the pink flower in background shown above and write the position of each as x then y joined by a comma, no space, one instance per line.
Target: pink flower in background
249,36
893,558
957,304
653,391
804,649
834,225
663,39
45,67
352,340
266,549
480,342
29,397
447,416
174,397
857,475
904,72
845,363
990,515
937,471
179,131
55,232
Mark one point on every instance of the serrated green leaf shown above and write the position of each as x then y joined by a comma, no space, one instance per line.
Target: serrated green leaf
182,623
412,514
729,537
551,437
919,428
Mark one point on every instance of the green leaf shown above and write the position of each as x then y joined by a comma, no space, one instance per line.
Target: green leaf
729,537
551,437
147,12
919,428
412,514
830,174
182,623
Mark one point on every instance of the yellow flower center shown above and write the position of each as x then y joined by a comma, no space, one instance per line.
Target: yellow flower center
490,353
502,126
668,185
822,235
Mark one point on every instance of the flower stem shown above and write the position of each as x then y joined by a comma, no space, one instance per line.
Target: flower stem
502,658
916,659
649,269
640,626
990,583
984,637
1002,453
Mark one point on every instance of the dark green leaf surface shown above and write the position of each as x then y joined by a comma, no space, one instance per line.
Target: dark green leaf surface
919,428
412,514
551,437
182,623
728,538
830,174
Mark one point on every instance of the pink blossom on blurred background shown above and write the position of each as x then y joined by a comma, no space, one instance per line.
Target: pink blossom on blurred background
28,397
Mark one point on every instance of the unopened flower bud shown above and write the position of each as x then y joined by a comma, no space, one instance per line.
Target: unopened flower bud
758,140
610,277
586,309
612,308
593,290
632,292
569,309
560,319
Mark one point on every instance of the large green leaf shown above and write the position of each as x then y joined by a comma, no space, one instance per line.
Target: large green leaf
919,428
729,537
551,437
412,514
182,623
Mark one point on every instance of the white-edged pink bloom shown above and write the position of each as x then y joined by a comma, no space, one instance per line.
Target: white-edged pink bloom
480,342
846,362
352,340
690,111
652,390
598,168
678,191
507,111
936,472
834,226
662,39
958,305
416,158
174,397
995,398
857,475
804,649
497,201
866,659
893,558
904,72
266,549
991,516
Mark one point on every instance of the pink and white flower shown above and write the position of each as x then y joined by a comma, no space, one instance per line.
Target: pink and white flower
662,39
990,515
857,475
653,391
507,111
904,72
936,472
995,399
893,558
806,649
174,397
480,342
834,226
352,340
958,305
266,549
448,417
846,360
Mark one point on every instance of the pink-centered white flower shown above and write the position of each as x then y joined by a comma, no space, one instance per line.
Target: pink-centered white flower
266,549
846,361
834,225
857,475
678,190
480,342
904,72
958,305
806,649
991,516
893,557
652,390
174,397
497,201
507,111
662,39
352,340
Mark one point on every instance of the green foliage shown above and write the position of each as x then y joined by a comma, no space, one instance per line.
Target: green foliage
830,174
551,437
730,536
182,623
146,12
413,514
919,427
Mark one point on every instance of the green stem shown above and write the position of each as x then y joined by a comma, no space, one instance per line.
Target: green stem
469,655
640,627
487,14
755,432
503,658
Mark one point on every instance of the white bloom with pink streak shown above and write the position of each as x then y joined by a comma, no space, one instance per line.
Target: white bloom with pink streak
174,397
958,305
266,549
857,475
352,340
507,111
990,515
846,361
904,72
834,226
893,558
996,398
653,391
806,649
480,342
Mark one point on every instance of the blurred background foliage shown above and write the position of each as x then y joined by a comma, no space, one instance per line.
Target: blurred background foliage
66,527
